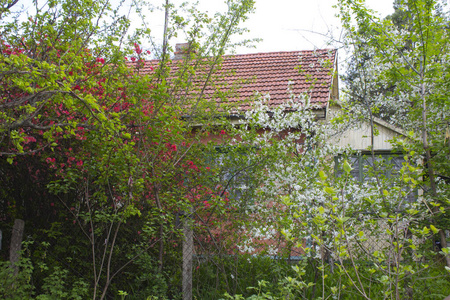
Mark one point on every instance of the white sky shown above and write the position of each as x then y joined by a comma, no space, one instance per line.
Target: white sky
286,25
300,24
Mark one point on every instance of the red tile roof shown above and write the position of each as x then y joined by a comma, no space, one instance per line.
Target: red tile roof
310,71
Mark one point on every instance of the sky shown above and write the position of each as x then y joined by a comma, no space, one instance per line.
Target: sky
287,25
283,25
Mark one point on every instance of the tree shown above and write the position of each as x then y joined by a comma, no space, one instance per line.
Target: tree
409,59
364,238
90,142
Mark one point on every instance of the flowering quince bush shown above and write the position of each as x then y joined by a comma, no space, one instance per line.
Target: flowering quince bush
95,155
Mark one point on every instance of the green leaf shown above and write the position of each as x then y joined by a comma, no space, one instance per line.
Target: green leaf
321,210
322,175
329,190
425,231
347,167
434,229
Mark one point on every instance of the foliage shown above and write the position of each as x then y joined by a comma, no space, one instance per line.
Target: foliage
406,61
16,287
370,231
22,285
233,274
336,285
96,153
107,158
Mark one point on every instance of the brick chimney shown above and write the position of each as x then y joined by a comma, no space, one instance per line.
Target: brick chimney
182,50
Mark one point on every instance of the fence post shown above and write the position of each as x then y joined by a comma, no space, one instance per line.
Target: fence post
188,250
16,244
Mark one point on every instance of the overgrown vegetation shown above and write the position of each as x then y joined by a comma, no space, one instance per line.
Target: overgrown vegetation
103,156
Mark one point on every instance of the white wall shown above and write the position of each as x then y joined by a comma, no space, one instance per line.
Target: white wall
358,136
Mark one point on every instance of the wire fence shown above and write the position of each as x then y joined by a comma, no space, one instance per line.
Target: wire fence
222,260
224,255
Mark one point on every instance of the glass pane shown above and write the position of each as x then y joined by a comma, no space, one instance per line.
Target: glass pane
354,162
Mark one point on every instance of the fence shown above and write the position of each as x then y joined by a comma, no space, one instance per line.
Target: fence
227,265
217,256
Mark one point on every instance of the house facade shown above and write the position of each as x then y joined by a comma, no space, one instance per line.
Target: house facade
239,80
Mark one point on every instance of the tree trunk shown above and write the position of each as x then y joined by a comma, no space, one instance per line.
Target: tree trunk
430,169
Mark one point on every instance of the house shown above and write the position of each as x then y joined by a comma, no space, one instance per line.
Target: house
314,72
239,79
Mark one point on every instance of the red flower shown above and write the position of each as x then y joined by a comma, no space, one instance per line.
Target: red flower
50,160
30,139
137,49
222,132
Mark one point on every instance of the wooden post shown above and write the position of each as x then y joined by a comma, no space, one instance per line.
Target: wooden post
16,244
188,251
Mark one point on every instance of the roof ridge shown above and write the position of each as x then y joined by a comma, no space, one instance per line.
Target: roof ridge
274,52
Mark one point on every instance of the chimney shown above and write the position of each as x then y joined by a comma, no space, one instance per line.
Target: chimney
182,50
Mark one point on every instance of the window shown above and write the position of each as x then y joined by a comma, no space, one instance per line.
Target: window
234,169
384,165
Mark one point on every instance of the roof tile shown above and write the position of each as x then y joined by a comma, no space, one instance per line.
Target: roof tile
310,71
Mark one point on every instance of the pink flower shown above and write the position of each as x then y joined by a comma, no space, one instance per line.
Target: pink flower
50,160
137,49
30,139
79,163
222,132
